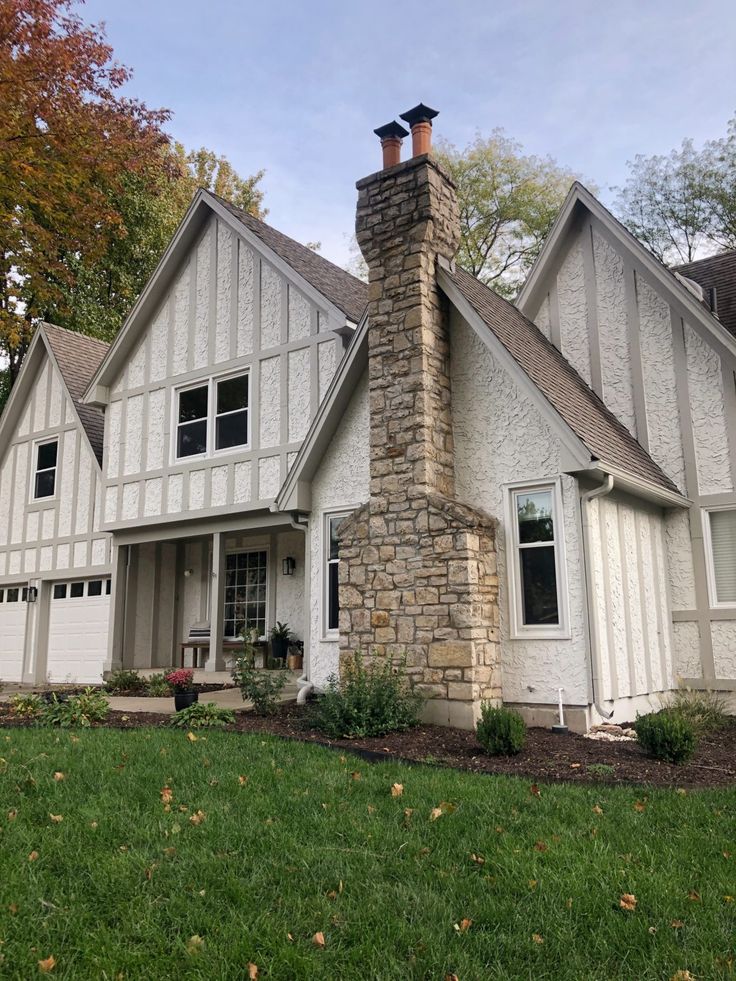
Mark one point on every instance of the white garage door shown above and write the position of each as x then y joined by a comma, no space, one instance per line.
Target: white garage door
78,625
13,612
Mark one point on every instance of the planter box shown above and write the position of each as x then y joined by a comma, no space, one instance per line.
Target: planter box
183,699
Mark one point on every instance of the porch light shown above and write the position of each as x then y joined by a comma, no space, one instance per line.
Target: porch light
288,566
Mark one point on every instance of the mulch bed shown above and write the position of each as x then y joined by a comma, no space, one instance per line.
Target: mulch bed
546,756
64,691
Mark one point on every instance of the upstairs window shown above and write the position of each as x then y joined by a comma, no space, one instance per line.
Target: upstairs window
536,562
722,556
44,481
212,417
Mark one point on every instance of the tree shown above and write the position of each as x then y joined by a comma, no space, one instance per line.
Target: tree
508,202
683,205
68,141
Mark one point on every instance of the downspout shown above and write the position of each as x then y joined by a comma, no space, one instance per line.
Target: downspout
594,627
303,684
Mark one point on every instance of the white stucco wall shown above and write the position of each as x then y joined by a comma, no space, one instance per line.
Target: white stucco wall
573,311
500,437
342,482
60,533
226,309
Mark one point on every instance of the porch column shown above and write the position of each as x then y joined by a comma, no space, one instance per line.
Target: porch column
117,623
216,660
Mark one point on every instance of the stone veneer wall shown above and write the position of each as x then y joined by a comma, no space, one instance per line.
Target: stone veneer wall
418,569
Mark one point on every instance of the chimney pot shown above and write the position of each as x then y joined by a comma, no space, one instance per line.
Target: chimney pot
420,121
391,136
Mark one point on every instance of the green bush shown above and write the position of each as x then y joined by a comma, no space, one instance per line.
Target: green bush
666,735
157,686
125,680
26,706
368,700
260,687
705,710
500,731
77,710
203,716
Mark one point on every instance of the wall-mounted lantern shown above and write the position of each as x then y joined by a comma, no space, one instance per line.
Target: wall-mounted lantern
288,566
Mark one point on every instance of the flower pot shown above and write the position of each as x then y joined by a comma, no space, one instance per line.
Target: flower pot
294,662
183,699
279,649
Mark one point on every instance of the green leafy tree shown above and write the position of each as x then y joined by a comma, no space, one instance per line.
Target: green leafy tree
682,205
508,202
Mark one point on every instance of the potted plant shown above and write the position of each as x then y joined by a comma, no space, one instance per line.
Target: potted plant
295,660
280,637
184,693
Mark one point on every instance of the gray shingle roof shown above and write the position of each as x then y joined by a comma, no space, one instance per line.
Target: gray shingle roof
79,357
594,424
718,271
347,293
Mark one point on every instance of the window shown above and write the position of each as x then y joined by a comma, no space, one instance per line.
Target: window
536,566
60,590
721,526
12,595
212,417
94,587
191,428
44,482
2,595
76,590
332,566
246,578
108,587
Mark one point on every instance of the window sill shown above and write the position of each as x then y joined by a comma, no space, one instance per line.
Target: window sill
532,634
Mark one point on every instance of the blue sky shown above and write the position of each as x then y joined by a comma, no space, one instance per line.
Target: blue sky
298,87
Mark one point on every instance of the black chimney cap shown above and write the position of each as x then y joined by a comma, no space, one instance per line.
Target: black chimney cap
391,129
419,114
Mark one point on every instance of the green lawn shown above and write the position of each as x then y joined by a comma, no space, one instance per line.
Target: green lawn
120,886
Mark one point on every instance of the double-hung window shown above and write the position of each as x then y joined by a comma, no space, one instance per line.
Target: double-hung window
536,562
721,558
212,416
331,572
44,480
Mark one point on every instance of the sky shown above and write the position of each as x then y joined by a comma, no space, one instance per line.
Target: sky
297,88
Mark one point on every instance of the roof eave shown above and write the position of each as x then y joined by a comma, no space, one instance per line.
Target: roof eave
638,486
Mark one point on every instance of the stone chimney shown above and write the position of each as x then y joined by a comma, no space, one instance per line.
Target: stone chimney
418,568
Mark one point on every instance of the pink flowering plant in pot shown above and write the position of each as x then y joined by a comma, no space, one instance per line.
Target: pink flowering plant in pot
184,694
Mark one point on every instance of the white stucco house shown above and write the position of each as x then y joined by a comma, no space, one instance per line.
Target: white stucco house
519,499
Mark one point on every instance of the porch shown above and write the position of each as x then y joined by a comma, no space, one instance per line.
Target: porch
185,600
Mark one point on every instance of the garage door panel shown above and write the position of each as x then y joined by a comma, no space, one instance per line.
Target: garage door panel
13,614
78,627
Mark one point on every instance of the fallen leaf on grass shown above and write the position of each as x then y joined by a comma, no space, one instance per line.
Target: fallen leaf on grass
627,902
397,789
197,818
191,737
12,814
242,780
13,909
252,971
318,939
56,818
435,813
540,846
46,966
371,809
728,899
93,825
532,883
167,795
597,809
58,776
355,775
464,925
682,976
640,806
451,977
537,938
693,896
33,856
677,924
535,791
195,944
478,859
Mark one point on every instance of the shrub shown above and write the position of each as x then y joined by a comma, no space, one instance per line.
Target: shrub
500,731
260,687
203,716
78,710
124,680
157,686
666,735
180,679
368,700
705,710
26,706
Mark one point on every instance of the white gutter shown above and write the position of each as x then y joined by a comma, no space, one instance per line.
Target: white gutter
593,624
304,686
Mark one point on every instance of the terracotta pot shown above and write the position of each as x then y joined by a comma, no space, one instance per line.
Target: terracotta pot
294,662
183,699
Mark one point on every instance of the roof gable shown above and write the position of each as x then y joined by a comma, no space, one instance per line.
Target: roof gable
340,294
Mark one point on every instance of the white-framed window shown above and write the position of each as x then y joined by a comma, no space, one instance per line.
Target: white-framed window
536,561
246,592
44,476
212,416
331,574
719,526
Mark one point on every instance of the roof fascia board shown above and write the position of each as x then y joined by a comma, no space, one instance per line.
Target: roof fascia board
55,363
26,377
276,261
148,299
294,494
570,440
638,486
